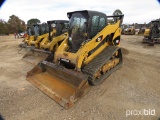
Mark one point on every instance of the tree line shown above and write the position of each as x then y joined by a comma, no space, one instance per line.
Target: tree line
15,25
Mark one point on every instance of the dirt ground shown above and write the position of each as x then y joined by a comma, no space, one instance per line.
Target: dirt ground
133,88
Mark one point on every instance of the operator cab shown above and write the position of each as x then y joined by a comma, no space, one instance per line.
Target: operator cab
29,31
43,28
39,29
155,29
84,25
61,26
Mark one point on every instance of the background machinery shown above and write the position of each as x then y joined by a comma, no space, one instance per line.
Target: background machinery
49,31
53,34
152,35
35,32
29,37
86,57
41,31
130,30
59,29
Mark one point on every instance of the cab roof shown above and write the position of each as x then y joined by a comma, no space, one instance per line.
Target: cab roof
89,12
57,21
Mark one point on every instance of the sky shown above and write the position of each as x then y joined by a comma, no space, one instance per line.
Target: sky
135,11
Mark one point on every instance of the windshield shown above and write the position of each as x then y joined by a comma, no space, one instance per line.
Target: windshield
29,31
130,26
44,29
78,25
36,31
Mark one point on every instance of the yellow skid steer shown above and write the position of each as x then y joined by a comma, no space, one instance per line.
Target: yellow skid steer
60,32
43,30
87,57
29,37
53,34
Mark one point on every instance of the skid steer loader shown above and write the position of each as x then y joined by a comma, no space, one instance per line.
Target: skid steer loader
87,57
130,30
42,32
47,43
60,31
39,32
35,32
29,37
152,35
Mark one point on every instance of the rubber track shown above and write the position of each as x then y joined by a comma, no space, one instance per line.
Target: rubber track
98,62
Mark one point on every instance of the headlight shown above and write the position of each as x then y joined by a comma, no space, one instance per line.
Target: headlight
53,25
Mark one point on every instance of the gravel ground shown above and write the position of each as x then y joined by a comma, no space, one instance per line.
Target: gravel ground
132,88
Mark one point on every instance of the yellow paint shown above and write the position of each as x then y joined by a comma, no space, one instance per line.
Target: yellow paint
146,32
81,56
39,38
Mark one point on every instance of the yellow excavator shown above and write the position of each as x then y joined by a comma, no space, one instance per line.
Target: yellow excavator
86,57
152,34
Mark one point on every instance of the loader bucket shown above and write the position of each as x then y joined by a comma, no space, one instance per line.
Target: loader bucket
23,45
34,56
63,85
